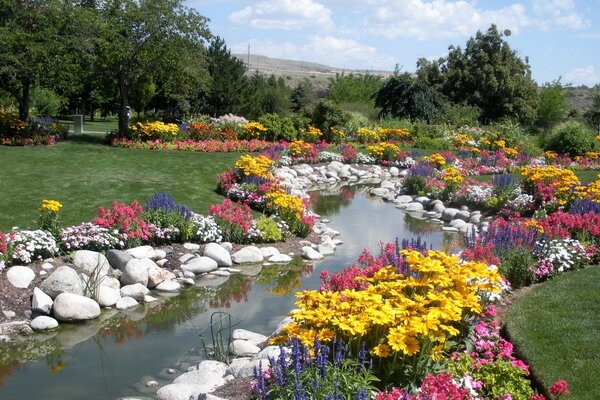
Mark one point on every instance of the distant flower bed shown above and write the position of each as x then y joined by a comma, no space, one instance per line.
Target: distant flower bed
205,146
41,131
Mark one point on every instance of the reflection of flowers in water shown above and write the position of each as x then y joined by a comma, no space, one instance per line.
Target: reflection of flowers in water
419,226
284,279
7,369
123,331
331,201
236,290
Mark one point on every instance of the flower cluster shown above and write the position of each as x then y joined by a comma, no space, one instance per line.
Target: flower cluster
127,219
559,255
384,151
437,159
550,183
204,146
28,245
257,166
90,236
154,130
312,134
254,130
206,228
235,221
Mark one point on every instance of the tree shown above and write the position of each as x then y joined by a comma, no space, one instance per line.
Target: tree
228,79
406,97
266,96
353,88
303,95
592,115
552,105
30,46
487,74
140,37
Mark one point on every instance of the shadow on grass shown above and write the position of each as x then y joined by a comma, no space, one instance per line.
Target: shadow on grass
88,138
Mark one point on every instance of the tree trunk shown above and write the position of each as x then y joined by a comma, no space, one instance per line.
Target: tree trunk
123,115
92,112
24,100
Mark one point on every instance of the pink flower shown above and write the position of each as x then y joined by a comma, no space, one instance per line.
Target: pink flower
559,388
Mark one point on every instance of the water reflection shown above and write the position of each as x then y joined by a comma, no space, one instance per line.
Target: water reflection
106,358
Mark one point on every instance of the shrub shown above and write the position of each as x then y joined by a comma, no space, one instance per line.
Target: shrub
127,219
204,131
328,115
573,138
206,229
89,236
27,246
46,102
270,230
279,127
424,142
235,221
517,266
154,130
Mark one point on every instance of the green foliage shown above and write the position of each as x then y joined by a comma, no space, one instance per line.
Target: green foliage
516,267
270,230
458,115
266,96
303,95
592,115
487,74
499,377
406,97
573,138
142,92
415,185
552,105
46,102
281,127
328,115
355,121
353,88
220,337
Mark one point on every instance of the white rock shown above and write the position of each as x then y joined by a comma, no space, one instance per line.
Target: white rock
157,275
464,215
135,271
326,248
47,266
449,229
111,282
449,213
159,254
248,254
149,299
43,323
20,277
268,251
41,302
311,254
269,352
73,307
107,296
243,348
227,246
380,192
186,257
414,207
199,265
394,171
169,286
279,259
244,367
219,254
63,280
141,252
126,302
249,336
403,199
220,272
191,246
457,223
181,391
91,263
136,291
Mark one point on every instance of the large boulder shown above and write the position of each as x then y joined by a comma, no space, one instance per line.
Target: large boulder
169,286
41,302
199,265
126,302
311,254
141,252
248,254
91,263
157,275
63,280
43,323
242,348
136,291
107,296
449,213
255,338
135,271
20,277
118,258
73,307
218,253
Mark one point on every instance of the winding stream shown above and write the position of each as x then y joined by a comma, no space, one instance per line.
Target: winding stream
117,354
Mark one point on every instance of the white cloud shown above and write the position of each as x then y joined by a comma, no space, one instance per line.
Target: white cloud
558,13
583,76
284,14
437,19
327,49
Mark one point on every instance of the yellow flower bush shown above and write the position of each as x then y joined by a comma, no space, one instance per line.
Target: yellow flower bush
591,191
154,130
285,204
437,159
253,130
453,176
412,315
258,166
365,135
299,148
312,134
50,206
461,139
393,133
563,180
384,151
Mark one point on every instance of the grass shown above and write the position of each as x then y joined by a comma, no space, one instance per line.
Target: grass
556,327
98,125
84,174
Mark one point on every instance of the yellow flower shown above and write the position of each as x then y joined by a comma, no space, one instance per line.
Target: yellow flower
365,135
258,166
253,129
50,206
437,159
453,176
382,350
312,134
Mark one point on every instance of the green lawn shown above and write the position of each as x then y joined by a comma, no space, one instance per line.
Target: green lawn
556,327
83,174
98,125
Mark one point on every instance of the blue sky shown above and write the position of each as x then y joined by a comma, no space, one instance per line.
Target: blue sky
561,38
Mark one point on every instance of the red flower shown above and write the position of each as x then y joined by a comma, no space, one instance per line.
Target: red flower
559,388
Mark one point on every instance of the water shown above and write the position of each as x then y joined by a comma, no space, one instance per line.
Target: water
115,355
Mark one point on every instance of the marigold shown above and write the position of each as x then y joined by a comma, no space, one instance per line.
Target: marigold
50,206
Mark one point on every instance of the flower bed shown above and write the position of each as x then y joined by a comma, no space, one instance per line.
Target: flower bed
44,131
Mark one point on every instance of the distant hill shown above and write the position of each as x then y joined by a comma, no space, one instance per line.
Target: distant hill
295,71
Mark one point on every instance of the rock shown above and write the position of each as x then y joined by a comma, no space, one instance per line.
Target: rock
269,352
191,246
268,251
159,254
43,323
380,192
387,185
244,367
208,396
43,273
438,208
475,219
151,384
20,277
464,208
468,228
249,336
156,275
424,200
457,223
241,348
199,265
182,391
73,307
431,214
136,291
126,302
186,281
169,286
394,171
326,248
111,283
41,302
403,199
141,252
449,213
279,259
135,271
214,367
248,254
220,272
188,274
414,207
464,215
186,257
91,263
227,246
107,296
161,263
311,254
118,258
219,254
149,299
47,266
449,229
63,280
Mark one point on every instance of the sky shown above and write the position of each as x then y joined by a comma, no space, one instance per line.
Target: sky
560,38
